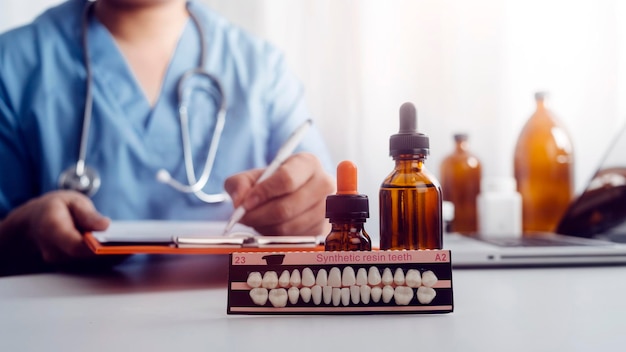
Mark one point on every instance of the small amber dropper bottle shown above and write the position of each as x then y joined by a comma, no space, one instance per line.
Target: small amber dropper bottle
410,197
347,212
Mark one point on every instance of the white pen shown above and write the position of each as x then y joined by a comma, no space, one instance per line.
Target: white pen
283,153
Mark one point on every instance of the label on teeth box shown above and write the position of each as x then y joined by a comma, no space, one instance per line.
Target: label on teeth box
376,282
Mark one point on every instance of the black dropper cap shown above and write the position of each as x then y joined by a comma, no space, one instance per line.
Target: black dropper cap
408,140
347,207
460,137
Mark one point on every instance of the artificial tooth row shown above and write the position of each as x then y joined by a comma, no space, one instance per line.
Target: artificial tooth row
402,295
336,278
336,287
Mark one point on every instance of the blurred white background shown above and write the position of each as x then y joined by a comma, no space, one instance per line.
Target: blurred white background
470,66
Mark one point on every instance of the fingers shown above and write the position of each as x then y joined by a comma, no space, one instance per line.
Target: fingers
295,173
291,175
294,222
290,202
240,184
86,217
56,221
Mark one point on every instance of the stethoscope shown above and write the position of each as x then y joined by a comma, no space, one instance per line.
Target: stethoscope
85,179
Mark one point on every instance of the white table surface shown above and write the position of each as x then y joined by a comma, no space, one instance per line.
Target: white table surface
179,304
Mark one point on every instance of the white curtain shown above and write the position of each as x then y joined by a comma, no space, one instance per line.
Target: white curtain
469,66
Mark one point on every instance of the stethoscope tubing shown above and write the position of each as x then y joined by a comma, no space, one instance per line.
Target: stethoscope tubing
87,180
197,185
87,112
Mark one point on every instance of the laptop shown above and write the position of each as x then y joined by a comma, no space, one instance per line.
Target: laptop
592,231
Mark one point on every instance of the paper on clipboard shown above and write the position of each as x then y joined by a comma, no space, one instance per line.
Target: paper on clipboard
189,237
165,232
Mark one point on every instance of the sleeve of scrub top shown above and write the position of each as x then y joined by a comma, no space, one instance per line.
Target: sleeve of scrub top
14,177
287,110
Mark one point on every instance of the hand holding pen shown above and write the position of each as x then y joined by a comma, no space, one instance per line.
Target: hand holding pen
286,198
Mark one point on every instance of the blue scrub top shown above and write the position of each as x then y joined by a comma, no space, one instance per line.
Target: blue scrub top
42,90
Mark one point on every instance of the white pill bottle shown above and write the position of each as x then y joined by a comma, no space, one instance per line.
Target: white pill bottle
499,208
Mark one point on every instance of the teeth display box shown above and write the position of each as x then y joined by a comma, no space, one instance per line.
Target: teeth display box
417,281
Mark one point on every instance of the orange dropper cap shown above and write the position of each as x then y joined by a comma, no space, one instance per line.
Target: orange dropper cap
346,178
347,203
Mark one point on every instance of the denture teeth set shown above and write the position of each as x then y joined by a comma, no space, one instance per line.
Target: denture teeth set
340,282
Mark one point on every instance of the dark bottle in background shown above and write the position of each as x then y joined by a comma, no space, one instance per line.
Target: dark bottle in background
460,176
544,169
410,197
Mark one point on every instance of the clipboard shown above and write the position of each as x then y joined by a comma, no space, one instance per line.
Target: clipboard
190,237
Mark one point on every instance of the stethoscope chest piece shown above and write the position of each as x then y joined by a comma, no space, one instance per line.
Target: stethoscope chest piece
86,182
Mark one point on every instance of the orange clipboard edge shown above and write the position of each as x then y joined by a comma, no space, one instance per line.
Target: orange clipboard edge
101,249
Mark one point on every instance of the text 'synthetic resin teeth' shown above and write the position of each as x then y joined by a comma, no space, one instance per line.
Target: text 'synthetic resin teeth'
322,277
254,279
295,280
413,278
398,277
355,294
270,279
429,279
278,297
403,295
373,276
327,294
388,292
348,277
425,295
387,278
361,277
345,296
366,293
316,293
376,293
336,296
294,294
308,279
259,295
283,279
305,294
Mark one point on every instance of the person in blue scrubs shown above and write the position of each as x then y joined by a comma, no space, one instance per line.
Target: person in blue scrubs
139,50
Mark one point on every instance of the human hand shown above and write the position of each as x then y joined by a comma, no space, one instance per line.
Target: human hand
290,202
54,224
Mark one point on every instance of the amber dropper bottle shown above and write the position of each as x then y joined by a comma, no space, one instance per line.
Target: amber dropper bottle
347,212
410,197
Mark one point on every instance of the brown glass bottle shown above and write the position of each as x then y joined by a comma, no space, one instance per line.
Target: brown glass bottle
347,212
544,170
410,197
460,175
